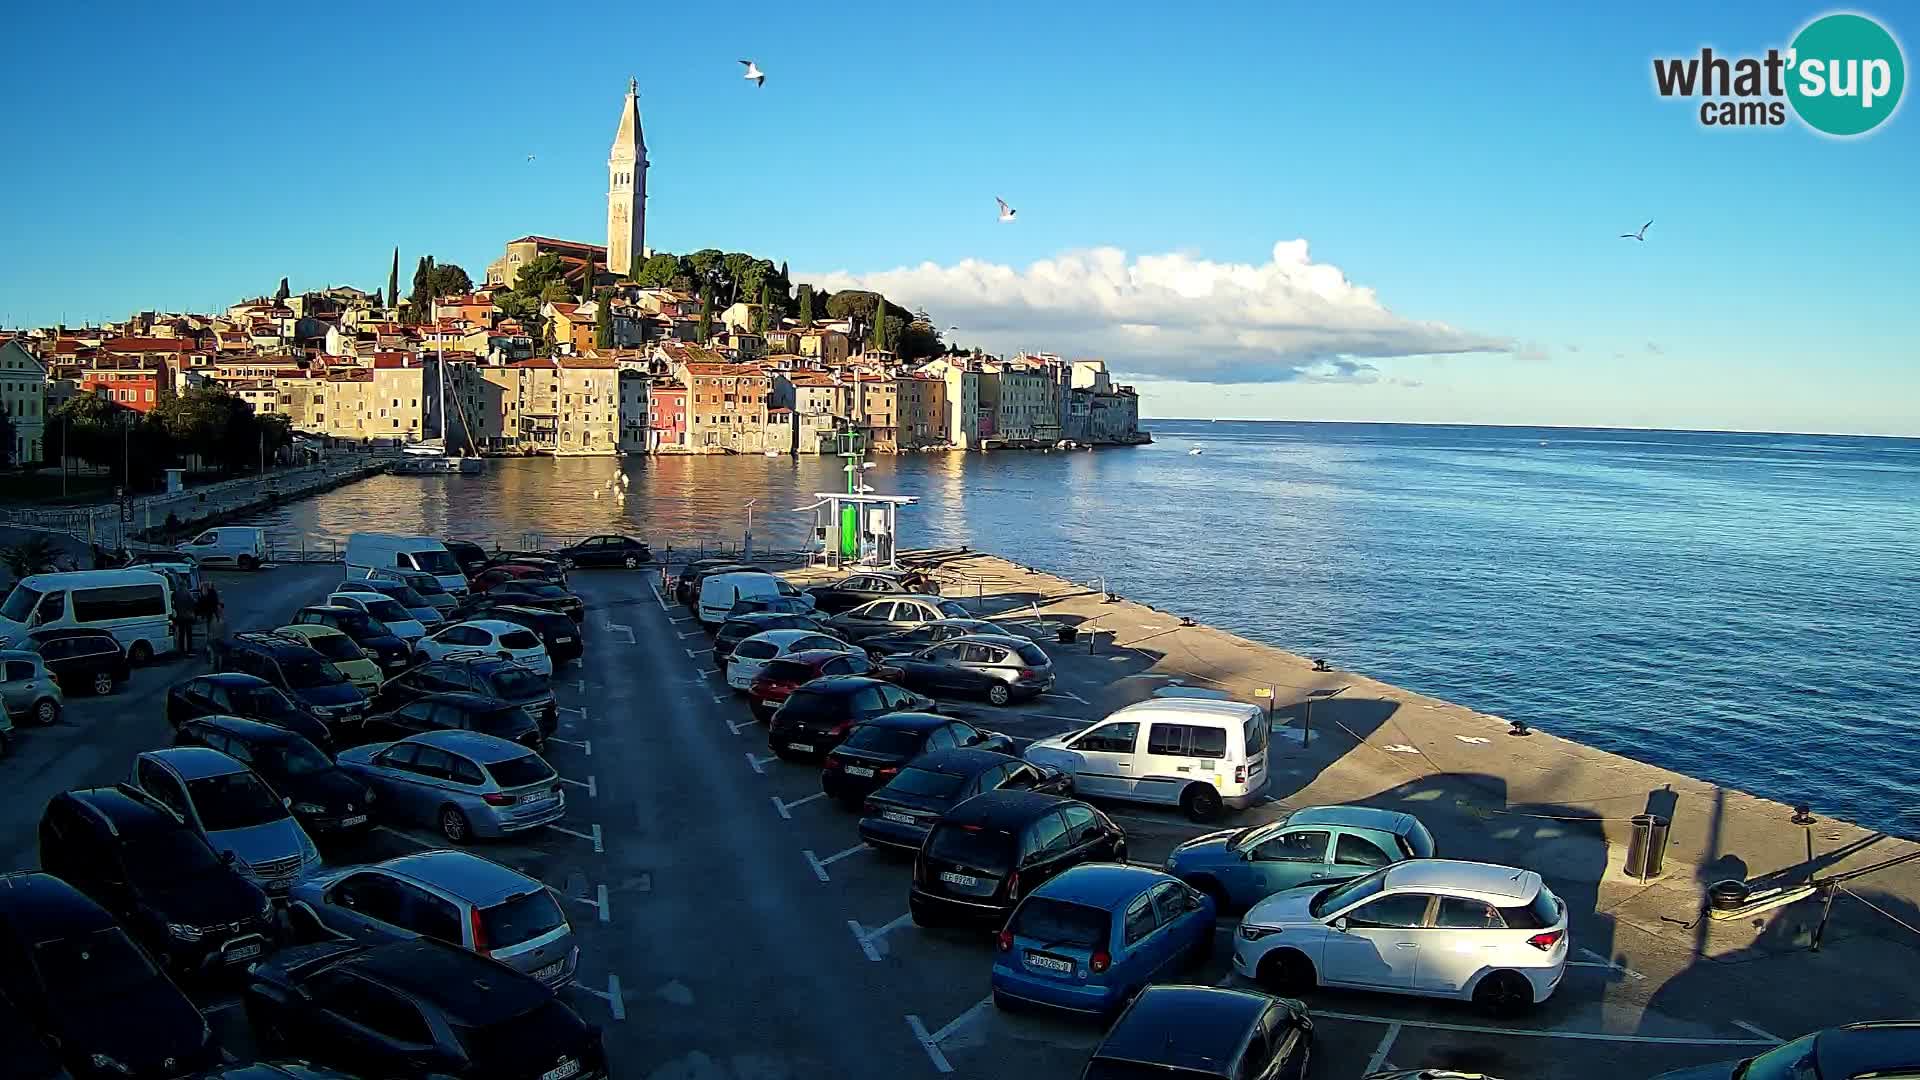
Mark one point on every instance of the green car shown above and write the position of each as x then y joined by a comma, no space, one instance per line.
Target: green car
1312,845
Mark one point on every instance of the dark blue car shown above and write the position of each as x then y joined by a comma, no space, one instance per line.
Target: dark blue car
1090,939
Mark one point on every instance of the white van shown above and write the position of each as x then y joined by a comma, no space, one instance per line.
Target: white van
367,552
719,592
135,606
1197,753
228,545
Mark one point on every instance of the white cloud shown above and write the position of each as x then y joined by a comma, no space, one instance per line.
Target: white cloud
1174,316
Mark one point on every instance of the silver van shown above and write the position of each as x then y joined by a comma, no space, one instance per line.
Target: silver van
234,809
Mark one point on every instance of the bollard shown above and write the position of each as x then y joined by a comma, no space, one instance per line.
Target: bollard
1647,846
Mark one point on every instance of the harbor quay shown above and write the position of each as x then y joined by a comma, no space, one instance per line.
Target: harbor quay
732,925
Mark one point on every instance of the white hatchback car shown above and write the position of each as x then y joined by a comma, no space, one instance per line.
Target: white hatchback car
487,637
1489,934
753,653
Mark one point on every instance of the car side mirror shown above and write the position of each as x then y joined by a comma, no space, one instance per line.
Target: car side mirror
286,801
1340,924
228,858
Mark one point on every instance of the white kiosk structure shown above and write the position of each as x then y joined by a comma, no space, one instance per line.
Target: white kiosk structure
856,530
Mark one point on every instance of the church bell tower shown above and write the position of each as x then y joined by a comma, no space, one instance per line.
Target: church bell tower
627,187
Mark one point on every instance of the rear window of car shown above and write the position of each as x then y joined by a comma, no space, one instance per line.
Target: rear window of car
521,918
1033,654
513,1038
787,671
879,740
1058,922
756,650
1538,915
972,845
812,704
506,723
519,639
517,684
937,785
520,771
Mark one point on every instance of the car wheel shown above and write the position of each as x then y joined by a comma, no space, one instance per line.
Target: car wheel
103,682
140,652
999,694
632,562
1503,993
46,711
454,826
1200,803
248,562
1287,972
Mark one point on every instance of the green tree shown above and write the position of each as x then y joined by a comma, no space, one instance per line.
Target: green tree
658,272
393,278
6,440
707,265
918,340
603,321
704,330
540,272
763,315
377,301
879,323
282,292
448,279
806,307
587,277
34,554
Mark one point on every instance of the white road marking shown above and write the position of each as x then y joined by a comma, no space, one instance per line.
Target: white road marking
606,908
736,725
220,1006
695,654
1380,1052
658,599
585,746
785,807
617,628
1601,961
1402,748
599,848
721,699
582,710
1067,694
582,687
408,837
1473,740
820,865
693,633
760,763
963,1019
1760,1031
611,995
592,785
1586,1036
227,1056
926,1043
861,939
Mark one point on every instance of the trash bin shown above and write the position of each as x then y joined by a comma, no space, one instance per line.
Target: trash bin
1068,634
1647,847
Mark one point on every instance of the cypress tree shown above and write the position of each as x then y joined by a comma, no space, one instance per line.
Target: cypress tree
603,321
393,277
878,340
806,307
586,280
704,329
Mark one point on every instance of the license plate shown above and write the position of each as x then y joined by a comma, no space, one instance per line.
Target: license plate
278,885
1049,963
562,1071
805,748
904,819
855,770
550,970
350,822
740,682
959,879
244,952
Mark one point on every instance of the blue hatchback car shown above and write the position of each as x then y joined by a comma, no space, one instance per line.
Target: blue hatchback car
1314,845
1090,939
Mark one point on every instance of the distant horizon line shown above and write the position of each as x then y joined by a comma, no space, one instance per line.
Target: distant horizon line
1527,427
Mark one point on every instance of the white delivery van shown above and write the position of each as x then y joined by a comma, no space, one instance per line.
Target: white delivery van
135,606
719,592
228,545
1197,753
367,552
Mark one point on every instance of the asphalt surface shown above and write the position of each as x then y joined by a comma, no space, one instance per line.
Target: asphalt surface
732,926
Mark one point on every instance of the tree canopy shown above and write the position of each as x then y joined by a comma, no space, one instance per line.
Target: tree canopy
657,272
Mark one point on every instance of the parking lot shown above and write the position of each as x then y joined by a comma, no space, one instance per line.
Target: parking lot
731,924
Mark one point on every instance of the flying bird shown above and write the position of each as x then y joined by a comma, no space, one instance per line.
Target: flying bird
1006,212
758,77
1640,236
529,157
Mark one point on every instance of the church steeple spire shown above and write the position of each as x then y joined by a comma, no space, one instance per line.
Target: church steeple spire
627,186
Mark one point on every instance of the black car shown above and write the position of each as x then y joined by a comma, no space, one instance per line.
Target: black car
1001,669
369,633
1206,1033
296,669
327,800
546,565
94,996
417,1008
471,556
608,550
27,1057
81,658
741,627
1873,1048
873,752
231,693
543,595
686,588
994,848
901,812
915,638
273,1070
488,676
445,712
158,876
560,634
819,714
855,590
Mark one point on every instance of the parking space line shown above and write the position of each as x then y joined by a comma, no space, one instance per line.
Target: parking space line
1068,695
599,900
592,786
693,633
1585,1036
223,1006
820,865
1601,961
585,746
582,687
785,807
1380,1052
582,710
963,1019
657,598
598,847
611,995
408,837
616,628
760,763
695,654
926,1043
1760,1031
735,726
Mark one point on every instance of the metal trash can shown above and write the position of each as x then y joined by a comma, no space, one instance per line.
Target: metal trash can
1068,634
1647,847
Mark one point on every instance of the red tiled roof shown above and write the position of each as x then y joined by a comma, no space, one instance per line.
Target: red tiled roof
538,362
140,344
391,361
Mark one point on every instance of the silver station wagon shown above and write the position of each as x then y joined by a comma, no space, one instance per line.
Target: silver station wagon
464,783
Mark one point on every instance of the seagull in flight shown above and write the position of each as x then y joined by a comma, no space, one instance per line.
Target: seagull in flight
1640,236
529,157
1006,212
758,77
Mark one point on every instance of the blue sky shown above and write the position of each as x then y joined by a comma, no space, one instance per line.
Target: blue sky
1471,166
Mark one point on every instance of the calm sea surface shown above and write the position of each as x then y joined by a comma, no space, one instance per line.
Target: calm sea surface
1740,608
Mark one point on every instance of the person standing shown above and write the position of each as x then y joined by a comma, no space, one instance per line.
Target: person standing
182,629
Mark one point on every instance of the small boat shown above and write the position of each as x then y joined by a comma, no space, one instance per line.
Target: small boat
1196,452
772,453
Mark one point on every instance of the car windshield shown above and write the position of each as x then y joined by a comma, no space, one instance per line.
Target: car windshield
168,856
514,685
1058,922
234,801
435,562
521,918
387,610
335,646
305,674
1352,892
881,740
937,785
508,1040
296,757
357,623
405,596
1252,837
92,967
1793,1061
540,589
952,609
982,848
506,722
20,603
264,702
520,771
425,585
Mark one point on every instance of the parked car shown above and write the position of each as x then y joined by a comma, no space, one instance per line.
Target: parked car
907,807
874,752
487,637
418,1008
465,783
1314,845
1001,669
452,896
608,549
414,603
738,629
232,693
535,594
29,694
455,712
1874,1049
157,876
497,574
82,658
1207,1033
488,676
135,606
775,605
552,565
686,588
183,569
274,1070
560,634
367,552
1494,935
93,995
915,638
1098,934
326,799
395,616
366,631
356,663
241,546
817,716
296,669
900,613
720,591
471,557
233,808
780,678
28,1055
752,654
993,849
856,589
424,585
1200,754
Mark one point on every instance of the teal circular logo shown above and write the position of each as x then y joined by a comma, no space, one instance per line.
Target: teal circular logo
1847,74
